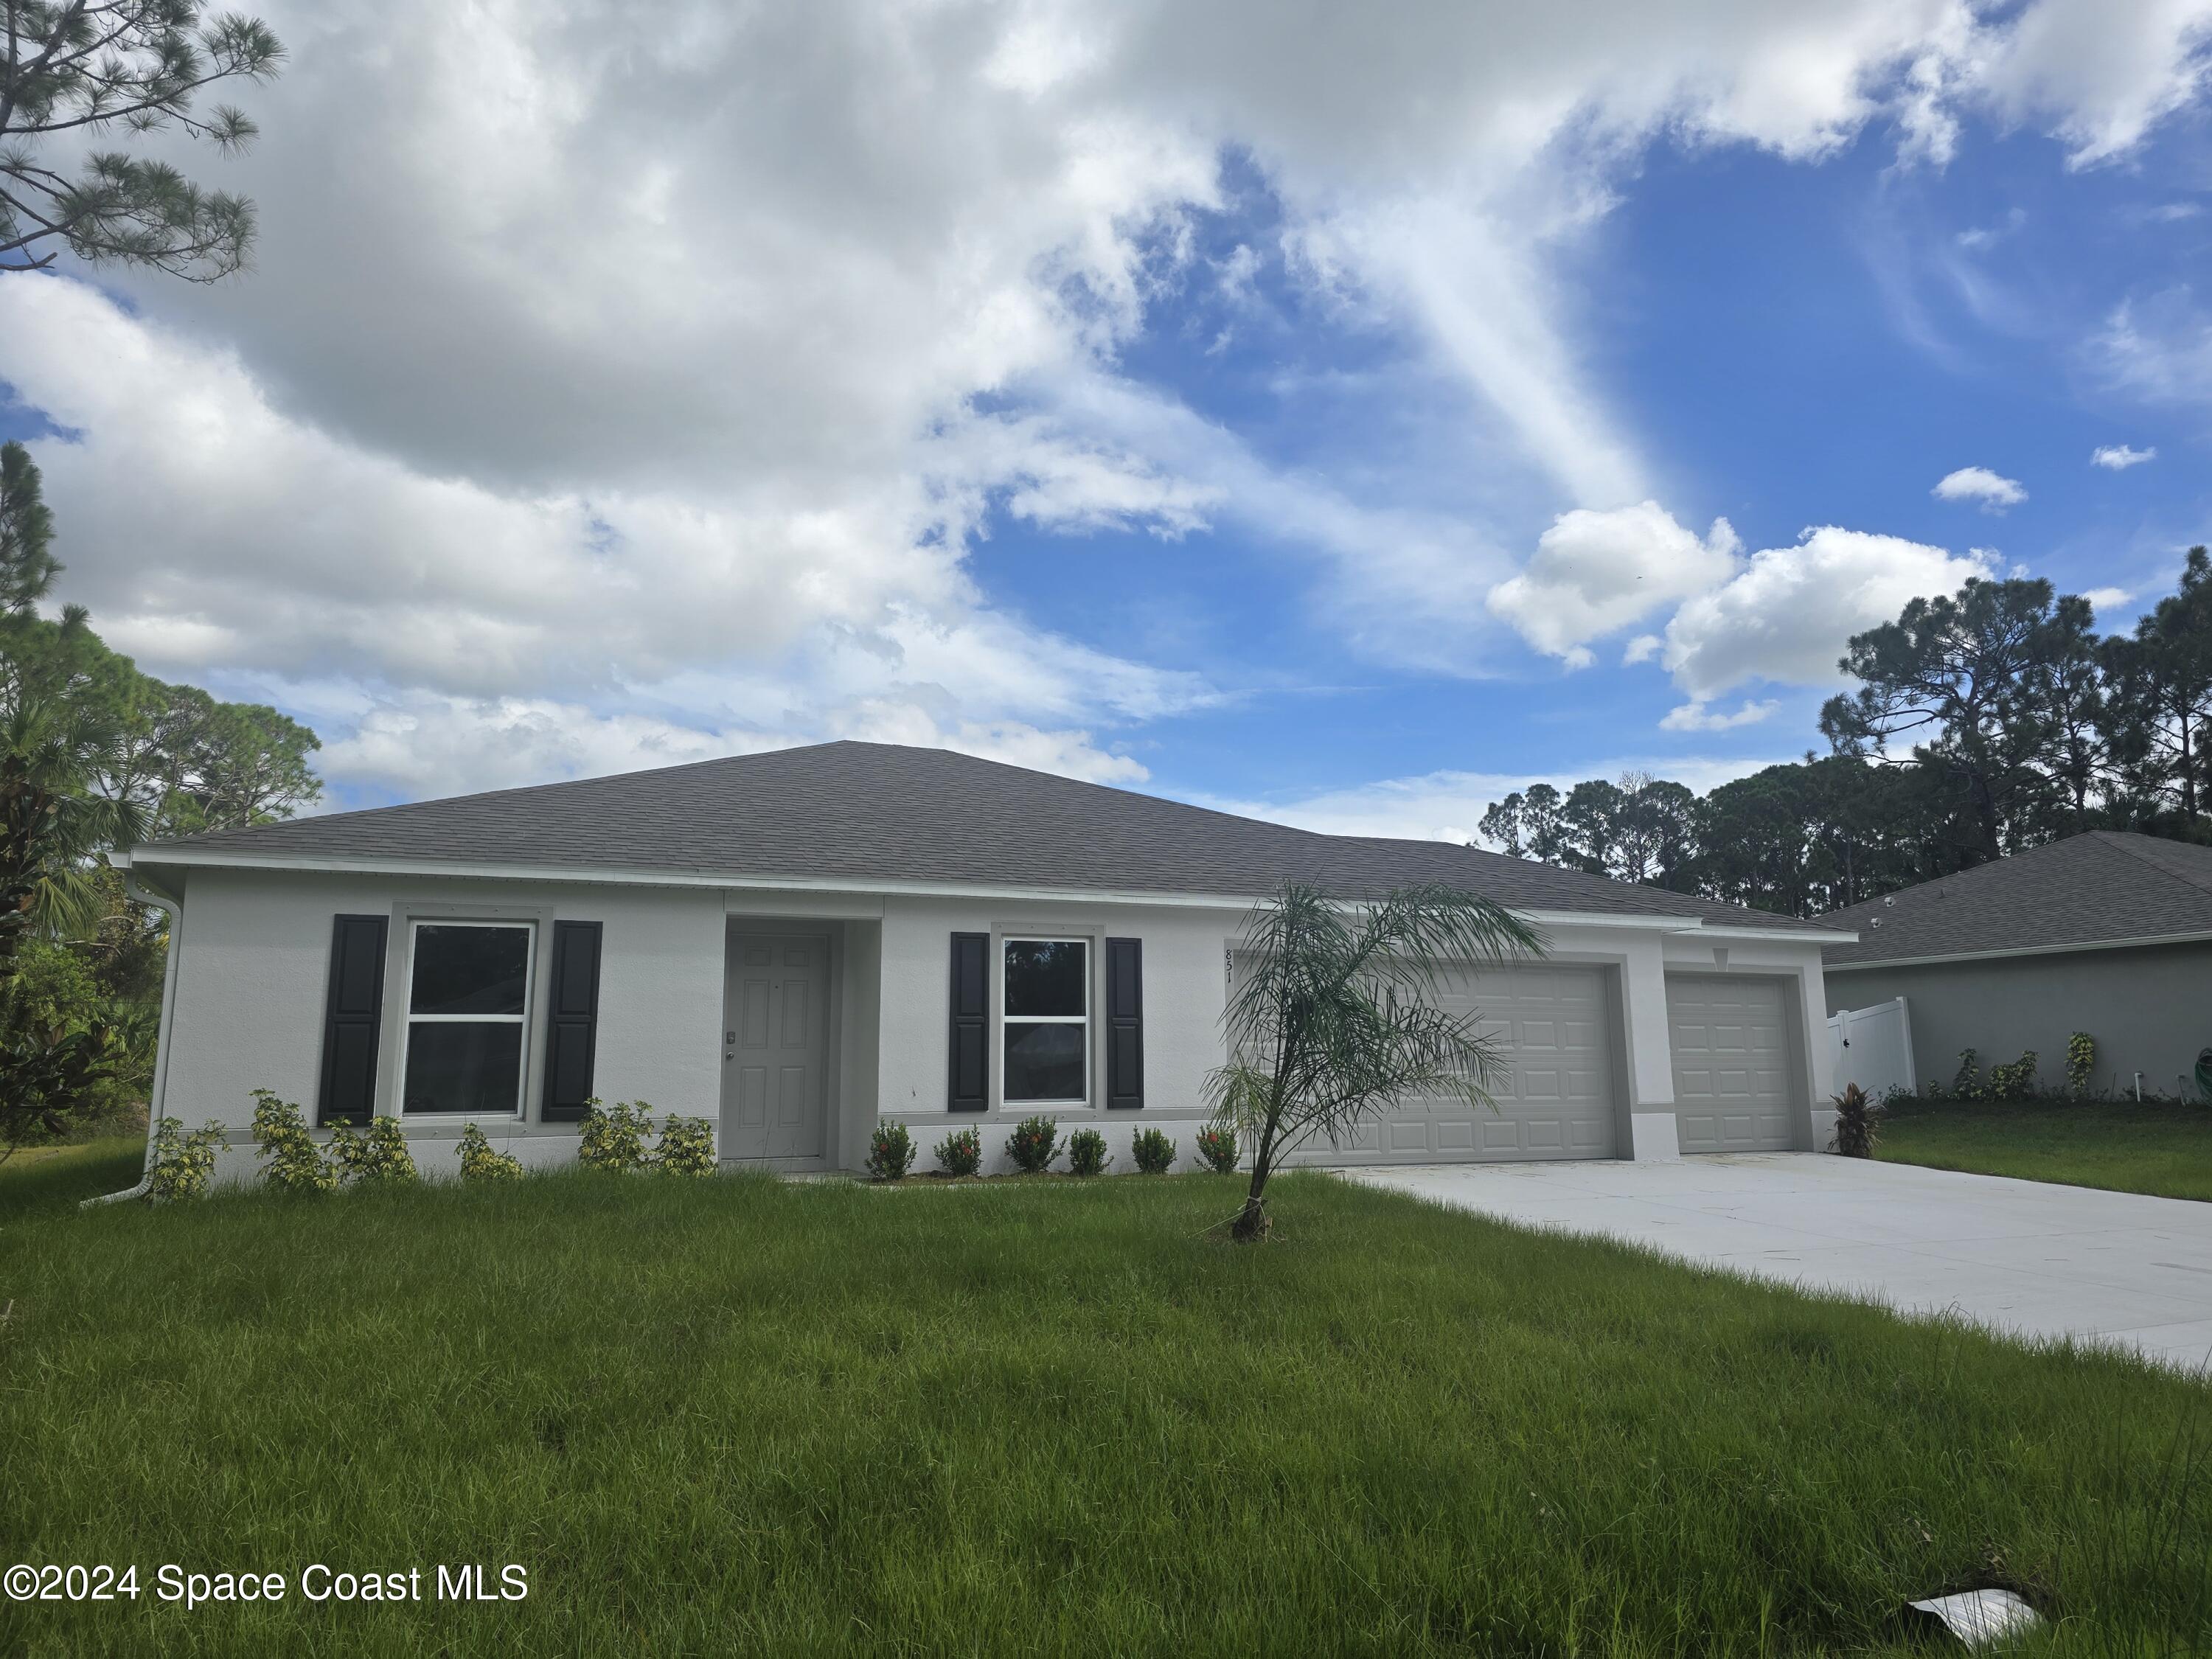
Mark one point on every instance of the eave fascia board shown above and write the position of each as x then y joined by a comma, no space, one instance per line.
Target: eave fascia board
1781,935
588,874
2147,942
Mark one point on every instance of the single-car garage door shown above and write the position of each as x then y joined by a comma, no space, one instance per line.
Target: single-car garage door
1731,1064
1556,1099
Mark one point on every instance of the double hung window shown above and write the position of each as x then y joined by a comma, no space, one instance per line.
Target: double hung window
1048,1022
468,1010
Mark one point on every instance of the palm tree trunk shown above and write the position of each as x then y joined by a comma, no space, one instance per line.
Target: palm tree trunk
1251,1223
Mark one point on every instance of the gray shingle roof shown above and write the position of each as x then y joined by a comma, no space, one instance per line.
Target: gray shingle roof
866,813
2101,888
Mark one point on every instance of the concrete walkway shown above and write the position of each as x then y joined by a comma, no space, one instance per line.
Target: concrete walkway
2021,1257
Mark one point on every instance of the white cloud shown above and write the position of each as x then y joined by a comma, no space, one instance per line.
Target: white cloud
2160,347
2118,458
683,398
1642,648
2104,600
1593,573
1698,717
2102,75
1448,806
1978,483
1786,617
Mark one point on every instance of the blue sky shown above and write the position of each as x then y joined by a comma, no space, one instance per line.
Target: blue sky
1311,427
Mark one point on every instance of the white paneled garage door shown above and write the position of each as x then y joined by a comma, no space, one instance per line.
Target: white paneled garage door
1556,1100
1731,1064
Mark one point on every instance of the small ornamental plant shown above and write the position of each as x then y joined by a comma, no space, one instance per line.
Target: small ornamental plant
182,1163
687,1147
614,1137
1966,1083
2015,1081
891,1152
961,1152
1155,1153
1034,1144
1218,1147
1086,1153
1858,1122
2080,1062
381,1155
290,1160
481,1161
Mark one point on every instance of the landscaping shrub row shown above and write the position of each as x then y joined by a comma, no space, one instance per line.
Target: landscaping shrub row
1034,1146
618,1139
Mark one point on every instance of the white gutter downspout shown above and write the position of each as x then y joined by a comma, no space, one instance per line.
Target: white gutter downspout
154,1096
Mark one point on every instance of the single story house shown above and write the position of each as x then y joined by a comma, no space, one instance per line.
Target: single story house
2103,932
802,944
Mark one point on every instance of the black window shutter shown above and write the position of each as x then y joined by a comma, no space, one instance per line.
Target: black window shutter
353,1020
1125,1023
572,1022
970,1036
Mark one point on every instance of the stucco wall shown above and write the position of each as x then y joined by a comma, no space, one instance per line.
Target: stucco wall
1184,990
254,969
2150,1010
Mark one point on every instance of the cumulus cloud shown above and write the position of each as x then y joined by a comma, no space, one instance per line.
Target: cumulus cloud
1642,648
674,379
1787,615
1595,572
2118,458
2104,600
1994,493
1698,717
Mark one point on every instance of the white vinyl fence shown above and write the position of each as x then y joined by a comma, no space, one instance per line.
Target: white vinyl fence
1872,1047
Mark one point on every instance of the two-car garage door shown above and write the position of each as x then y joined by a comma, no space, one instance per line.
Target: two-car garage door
1556,1100
1731,1064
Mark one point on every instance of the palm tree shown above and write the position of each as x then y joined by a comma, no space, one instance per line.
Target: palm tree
1333,1017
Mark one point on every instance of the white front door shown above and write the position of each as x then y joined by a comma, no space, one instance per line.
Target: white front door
775,1046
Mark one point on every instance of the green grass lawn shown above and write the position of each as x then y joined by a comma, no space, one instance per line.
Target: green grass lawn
43,1180
1042,1416
2163,1148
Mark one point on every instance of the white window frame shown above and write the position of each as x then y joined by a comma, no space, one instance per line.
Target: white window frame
1008,940
409,1018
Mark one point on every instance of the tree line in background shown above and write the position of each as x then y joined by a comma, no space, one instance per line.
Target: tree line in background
95,756
1983,722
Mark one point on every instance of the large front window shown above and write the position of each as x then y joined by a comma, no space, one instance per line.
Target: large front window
1047,1021
468,1001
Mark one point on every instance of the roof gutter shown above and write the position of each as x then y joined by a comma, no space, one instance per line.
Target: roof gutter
155,1097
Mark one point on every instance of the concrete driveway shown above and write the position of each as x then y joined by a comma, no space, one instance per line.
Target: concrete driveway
2021,1257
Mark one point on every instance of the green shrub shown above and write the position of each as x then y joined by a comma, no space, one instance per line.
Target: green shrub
2080,1062
961,1152
1155,1153
290,1160
1034,1144
381,1155
1086,1153
614,1137
182,1163
2015,1081
891,1152
687,1147
1218,1147
1965,1084
481,1161
1857,1119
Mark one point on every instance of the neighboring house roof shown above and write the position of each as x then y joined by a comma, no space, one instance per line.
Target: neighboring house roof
862,813
2101,889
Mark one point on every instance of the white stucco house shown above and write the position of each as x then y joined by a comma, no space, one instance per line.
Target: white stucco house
801,944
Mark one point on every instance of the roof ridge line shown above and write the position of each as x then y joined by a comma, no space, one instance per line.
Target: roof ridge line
2129,843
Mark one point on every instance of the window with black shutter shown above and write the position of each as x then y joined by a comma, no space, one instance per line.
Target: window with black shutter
572,1020
968,1084
1125,1023
353,1019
